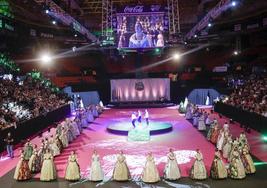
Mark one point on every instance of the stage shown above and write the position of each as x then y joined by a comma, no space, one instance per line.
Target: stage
155,127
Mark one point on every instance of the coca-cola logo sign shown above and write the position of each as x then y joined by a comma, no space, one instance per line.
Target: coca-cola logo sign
135,9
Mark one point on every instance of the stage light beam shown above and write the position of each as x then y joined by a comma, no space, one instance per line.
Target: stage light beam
233,3
46,58
176,56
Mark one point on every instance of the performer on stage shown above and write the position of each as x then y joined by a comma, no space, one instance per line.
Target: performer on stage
146,117
139,116
133,119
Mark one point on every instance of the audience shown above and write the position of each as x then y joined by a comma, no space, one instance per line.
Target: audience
251,95
20,101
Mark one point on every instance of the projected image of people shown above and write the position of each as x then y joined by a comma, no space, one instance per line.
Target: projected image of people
140,32
138,39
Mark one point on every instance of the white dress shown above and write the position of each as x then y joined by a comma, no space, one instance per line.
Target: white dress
96,172
72,172
198,170
172,171
121,171
201,123
220,140
48,171
150,173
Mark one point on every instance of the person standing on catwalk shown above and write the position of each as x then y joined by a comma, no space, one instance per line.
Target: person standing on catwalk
9,145
133,119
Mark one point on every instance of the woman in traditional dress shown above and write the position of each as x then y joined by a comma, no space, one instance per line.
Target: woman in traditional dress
220,140
172,171
22,171
28,150
121,171
188,114
53,146
235,145
227,147
48,170
211,129
76,130
247,161
63,137
70,135
218,169
84,120
198,170
243,139
96,172
78,122
150,173
58,143
201,123
35,161
236,167
89,115
72,172
215,134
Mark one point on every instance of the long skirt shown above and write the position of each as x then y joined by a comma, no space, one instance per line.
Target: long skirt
72,172
96,172
121,172
22,171
218,170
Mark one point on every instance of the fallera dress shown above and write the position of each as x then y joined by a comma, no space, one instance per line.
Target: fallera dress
96,172
72,172
198,170
121,171
150,173
172,171
48,170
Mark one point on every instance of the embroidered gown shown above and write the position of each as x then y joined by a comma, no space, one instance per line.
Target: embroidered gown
236,167
172,171
35,162
121,171
72,172
150,173
96,172
198,170
22,171
48,170
218,169
247,161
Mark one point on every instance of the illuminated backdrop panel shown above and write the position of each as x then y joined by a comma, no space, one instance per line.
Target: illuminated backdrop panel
154,89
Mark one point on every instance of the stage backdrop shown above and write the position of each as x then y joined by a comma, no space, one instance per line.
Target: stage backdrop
126,90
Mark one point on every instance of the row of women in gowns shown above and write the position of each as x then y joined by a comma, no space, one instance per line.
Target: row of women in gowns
33,160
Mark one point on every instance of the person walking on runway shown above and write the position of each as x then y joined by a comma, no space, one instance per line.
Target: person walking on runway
133,119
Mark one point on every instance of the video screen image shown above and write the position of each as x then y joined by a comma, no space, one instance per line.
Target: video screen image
140,31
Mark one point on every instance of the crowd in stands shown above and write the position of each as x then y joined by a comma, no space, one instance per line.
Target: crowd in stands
251,95
22,100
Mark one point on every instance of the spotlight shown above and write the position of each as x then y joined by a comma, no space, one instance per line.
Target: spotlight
47,11
233,3
176,56
235,52
75,35
264,138
185,43
209,25
74,48
54,22
46,58
195,36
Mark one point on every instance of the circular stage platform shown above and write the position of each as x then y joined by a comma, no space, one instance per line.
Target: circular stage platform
155,127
